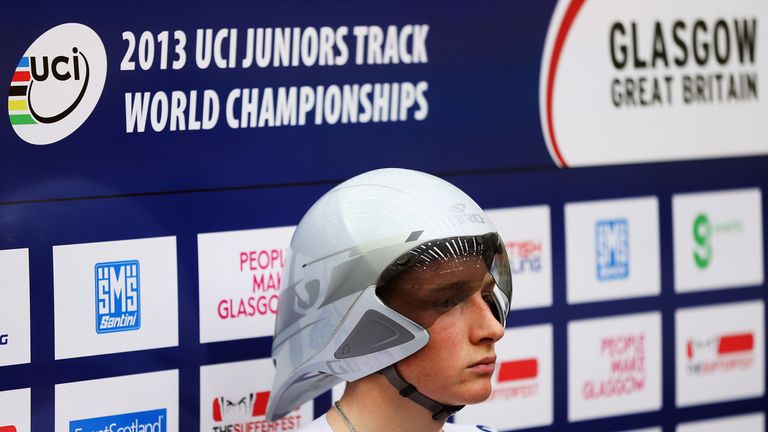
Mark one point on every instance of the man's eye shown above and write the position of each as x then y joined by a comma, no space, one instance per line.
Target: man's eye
446,304
491,302
488,297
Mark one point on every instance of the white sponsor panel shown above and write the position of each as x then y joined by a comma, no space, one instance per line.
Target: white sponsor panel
612,249
115,296
522,395
741,423
233,397
719,353
15,415
718,239
14,307
527,236
688,68
240,274
614,366
149,399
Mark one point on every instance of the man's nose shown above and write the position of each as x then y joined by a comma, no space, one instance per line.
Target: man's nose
486,328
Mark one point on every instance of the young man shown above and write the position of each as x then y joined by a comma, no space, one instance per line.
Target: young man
398,283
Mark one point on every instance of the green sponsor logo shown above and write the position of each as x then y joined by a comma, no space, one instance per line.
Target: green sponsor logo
704,231
702,235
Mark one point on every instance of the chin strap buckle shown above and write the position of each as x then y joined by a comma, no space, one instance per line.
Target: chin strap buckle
439,411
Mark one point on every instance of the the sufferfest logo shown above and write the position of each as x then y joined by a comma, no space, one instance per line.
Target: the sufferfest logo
265,267
720,353
145,421
253,405
612,249
516,379
246,414
689,68
627,370
525,256
118,300
57,83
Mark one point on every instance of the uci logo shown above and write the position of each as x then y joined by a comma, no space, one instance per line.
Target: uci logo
57,83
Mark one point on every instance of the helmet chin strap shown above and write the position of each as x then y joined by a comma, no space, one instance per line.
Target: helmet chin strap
439,411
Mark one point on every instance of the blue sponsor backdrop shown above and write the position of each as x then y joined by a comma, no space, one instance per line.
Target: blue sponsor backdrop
482,132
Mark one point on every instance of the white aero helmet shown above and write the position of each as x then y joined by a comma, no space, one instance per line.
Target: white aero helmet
331,326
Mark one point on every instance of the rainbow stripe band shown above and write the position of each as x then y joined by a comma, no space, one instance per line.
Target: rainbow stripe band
18,108
17,105
21,76
22,119
17,91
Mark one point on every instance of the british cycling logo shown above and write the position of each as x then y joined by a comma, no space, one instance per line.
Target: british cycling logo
144,421
57,83
118,296
525,256
612,249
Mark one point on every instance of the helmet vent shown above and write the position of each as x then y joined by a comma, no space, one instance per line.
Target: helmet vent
374,332
414,236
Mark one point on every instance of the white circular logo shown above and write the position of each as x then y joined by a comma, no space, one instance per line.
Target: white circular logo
57,83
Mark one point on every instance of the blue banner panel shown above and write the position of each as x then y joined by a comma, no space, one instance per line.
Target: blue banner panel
161,97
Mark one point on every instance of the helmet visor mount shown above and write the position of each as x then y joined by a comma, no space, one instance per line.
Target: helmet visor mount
437,276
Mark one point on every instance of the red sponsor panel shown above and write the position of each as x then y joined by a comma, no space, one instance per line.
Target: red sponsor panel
518,370
736,343
8,428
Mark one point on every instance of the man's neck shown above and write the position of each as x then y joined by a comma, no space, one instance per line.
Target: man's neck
373,405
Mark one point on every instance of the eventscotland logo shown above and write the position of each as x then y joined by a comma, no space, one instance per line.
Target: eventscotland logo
144,421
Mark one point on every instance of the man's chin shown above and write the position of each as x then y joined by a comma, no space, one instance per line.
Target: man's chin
479,392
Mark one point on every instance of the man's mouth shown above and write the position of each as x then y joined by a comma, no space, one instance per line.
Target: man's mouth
486,365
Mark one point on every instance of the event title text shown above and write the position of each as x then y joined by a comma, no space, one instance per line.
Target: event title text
261,48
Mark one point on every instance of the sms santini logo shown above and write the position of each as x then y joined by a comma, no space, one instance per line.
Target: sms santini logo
57,83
